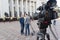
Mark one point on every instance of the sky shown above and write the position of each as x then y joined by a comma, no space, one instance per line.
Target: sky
39,3
58,3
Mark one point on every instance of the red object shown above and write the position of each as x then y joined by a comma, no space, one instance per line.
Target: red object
45,22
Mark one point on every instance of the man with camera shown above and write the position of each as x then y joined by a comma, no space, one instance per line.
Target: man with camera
43,25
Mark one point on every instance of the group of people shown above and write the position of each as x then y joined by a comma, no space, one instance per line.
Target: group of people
25,22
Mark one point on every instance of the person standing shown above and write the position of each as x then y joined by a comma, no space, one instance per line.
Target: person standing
22,24
43,25
27,23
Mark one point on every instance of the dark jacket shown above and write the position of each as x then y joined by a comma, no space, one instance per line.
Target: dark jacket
45,23
22,20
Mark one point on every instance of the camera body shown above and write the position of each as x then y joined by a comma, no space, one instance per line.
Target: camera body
49,6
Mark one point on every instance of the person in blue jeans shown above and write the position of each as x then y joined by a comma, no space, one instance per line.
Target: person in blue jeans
27,30
22,24
27,23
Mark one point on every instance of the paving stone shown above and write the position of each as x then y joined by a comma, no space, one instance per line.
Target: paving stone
11,31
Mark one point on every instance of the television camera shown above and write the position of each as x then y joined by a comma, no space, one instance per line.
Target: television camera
49,6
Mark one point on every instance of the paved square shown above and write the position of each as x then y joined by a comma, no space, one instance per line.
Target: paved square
11,31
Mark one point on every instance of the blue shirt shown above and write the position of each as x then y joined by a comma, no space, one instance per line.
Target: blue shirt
22,20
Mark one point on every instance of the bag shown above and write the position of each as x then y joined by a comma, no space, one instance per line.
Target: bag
45,23
54,15
43,26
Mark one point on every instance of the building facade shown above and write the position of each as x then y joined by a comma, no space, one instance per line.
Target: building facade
16,8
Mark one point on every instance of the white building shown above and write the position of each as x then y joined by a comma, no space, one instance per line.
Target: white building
4,7
15,8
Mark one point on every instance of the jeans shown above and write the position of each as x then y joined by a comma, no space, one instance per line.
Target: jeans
22,28
27,30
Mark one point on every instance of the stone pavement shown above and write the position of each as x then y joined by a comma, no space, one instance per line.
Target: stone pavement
11,31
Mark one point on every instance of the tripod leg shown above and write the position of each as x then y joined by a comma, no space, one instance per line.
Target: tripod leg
37,38
48,37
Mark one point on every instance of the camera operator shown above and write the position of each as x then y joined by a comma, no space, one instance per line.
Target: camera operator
43,24
45,16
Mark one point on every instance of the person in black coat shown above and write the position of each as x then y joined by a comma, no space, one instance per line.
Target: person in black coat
44,25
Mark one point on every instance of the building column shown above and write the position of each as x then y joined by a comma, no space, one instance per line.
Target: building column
17,8
26,6
30,8
0,9
22,7
12,8
33,7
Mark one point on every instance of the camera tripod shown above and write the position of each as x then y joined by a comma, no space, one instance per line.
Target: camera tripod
41,36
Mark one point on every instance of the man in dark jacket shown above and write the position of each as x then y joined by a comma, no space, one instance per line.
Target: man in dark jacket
22,25
44,25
